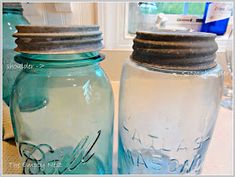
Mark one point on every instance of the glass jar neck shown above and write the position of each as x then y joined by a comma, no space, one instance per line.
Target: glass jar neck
10,10
58,60
152,68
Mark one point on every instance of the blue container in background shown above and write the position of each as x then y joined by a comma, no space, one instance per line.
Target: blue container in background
216,17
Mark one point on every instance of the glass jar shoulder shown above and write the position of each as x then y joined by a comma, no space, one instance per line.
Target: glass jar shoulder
37,88
134,69
31,77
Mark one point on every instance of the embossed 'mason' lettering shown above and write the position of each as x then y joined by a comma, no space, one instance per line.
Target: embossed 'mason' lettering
162,164
152,152
141,161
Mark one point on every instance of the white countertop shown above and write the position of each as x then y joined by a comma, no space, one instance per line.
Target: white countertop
218,159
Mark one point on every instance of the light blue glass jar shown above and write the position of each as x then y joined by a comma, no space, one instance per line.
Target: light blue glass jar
12,16
62,102
169,100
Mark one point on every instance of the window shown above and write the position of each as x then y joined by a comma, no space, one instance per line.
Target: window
120,21
186,8
143,15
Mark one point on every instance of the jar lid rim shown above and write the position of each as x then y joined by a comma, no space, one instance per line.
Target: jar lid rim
176,34
175,50
58,39
56,27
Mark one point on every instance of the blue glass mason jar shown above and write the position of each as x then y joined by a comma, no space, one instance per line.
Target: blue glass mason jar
169,100
62,102
12,16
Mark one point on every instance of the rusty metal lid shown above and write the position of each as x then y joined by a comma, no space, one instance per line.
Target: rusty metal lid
58,39
175,50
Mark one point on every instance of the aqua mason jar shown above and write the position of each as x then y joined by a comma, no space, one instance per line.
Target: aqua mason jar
62,102
12,16
169,100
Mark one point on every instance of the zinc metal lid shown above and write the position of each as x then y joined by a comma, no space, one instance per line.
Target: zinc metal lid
58,39
175,50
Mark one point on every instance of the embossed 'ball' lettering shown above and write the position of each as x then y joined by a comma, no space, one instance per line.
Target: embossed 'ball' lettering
43,159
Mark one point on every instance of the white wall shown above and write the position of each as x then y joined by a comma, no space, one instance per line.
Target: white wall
60,13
